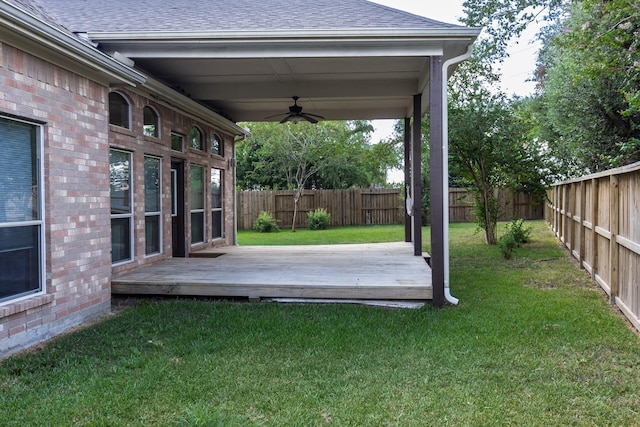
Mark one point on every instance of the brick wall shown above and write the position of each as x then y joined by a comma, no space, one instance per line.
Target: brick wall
73,111
133,140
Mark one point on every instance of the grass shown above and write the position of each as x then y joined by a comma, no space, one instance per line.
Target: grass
340,235
533,342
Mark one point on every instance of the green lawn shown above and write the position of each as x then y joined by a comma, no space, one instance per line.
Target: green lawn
340,235
533,342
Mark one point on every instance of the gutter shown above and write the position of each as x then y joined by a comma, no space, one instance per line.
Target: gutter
445,170
23,24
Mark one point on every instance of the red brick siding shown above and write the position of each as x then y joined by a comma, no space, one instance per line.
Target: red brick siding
133,140
74,112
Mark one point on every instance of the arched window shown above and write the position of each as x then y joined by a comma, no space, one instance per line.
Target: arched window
151,125
196,139
216,144
119,110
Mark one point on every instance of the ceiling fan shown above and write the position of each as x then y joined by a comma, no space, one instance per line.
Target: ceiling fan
295,114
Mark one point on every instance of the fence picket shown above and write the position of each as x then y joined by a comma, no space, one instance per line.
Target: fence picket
368,206
597,218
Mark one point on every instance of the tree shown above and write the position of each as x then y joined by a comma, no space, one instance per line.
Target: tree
490,148
301,156
590,86
355,161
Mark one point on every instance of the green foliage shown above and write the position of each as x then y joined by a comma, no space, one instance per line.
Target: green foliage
533,342
516,235
318,219
327,155
266,223
520,233
507,245
590,81
490,148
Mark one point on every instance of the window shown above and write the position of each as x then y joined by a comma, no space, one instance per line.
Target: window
216,145
21,225
151,122
119,111
216,203
196,140
121,206
196,178
177,142
152,205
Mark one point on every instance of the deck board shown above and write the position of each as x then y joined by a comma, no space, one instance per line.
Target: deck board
386,271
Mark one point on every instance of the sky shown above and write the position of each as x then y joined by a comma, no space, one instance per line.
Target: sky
516,69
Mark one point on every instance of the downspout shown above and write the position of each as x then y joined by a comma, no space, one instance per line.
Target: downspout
445,170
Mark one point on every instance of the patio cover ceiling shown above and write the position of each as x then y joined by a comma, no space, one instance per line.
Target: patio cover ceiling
368,67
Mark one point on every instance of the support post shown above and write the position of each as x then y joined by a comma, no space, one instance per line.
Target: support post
407,178
614,225
416,174
437,197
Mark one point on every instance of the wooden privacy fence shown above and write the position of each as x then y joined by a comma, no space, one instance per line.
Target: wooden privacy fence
367,206
513,204
347,207
597,217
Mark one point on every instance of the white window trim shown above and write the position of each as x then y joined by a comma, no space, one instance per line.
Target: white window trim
202,211
220,209
202,139
41,210
132,233
182,139
129,112
158,214
158,124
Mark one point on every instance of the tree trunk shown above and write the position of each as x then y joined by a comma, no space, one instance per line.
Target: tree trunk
489,220
296,198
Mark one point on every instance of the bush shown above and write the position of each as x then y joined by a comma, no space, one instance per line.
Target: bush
520,234
266,223
507,244
318,219
517,235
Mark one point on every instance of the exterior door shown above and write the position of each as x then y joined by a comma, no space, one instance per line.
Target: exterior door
177,210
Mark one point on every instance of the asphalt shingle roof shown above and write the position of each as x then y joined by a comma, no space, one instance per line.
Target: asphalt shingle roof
225,15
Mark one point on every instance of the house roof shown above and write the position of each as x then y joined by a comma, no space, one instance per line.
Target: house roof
26,25
223,15
345,59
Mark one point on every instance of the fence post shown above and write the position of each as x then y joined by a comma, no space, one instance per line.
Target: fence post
614,207
581,218
594,223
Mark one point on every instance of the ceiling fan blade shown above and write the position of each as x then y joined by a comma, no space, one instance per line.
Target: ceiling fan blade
286,119
276,115
308,117
315,115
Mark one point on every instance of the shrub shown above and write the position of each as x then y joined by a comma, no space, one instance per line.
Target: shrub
507,244
318,219
516,235
520,234
266,223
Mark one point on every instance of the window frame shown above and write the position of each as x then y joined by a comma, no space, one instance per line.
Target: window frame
182,138
217,209
156,116
200,134
220,140
197,211
155,214
128,114
129,215
40,221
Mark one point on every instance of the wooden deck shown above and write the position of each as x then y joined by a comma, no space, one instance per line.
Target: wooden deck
383,271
